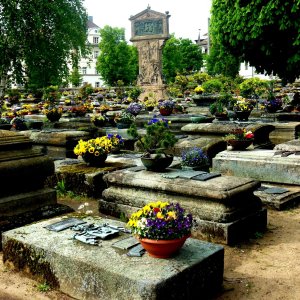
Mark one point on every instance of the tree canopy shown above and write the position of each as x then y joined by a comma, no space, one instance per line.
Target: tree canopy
179,56
117,59
264,33
39,38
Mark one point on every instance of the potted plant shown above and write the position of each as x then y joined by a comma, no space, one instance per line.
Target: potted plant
195,159
218,110
124,119
242,109
5,124
165,107
94,151
161,227
134,108
154,143
53,114
98,119
117,142
239,138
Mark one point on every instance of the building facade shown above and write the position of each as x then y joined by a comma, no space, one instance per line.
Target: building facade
87,66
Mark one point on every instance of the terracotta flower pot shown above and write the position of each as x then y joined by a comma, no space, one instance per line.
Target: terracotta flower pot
162,248
165,111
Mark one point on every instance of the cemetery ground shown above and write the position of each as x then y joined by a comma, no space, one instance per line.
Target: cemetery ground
263,267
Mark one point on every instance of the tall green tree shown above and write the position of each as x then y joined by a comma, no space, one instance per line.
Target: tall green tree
39,38
117,59
180,56
219,64
264,33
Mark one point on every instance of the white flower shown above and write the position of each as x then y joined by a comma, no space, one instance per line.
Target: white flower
86,204
81,207
89,212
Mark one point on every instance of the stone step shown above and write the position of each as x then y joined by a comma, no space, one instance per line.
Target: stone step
103,272
24,202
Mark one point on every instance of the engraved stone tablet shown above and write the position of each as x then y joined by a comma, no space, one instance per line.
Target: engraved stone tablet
148,27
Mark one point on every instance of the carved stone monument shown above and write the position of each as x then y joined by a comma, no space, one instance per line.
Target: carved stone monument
149,31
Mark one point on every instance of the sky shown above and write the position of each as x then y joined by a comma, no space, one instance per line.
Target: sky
187,16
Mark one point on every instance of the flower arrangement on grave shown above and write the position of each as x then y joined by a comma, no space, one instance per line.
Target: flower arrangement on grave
53,114
242,105
98,119
94,151
239,139
79,110
150,103
124,117
239,134
272,105
166,107
161,227
194,158
134,108
104,108
166,104
161,221
18,123
117,142
198,89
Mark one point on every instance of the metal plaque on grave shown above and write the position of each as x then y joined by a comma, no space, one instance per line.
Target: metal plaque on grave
126,243
64,224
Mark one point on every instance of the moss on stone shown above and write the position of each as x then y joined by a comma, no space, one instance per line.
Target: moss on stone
26,259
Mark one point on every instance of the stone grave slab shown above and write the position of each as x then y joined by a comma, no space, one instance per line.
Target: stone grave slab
224,207
279,197
216,131
83,179
57,143
106,272
263,165
23,171
284,131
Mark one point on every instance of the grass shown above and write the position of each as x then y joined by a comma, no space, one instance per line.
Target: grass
43,287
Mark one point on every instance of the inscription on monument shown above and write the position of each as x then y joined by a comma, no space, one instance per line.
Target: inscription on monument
148,27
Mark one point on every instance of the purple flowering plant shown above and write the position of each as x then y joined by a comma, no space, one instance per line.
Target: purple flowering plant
134,108
116,140
161,221
194,157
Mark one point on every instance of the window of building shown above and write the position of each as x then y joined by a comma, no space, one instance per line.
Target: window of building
83,70
96,54
96,40
96,72
246,66
97,84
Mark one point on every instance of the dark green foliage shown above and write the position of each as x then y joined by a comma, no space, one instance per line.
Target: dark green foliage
158,136
263,33
179,56
37,38
220,61
117,59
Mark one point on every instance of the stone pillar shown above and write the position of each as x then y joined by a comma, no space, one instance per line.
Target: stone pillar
149,31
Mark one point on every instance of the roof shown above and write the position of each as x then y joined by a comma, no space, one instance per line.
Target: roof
91,24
